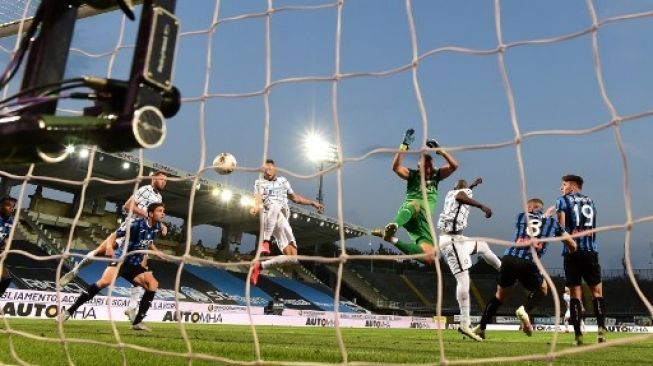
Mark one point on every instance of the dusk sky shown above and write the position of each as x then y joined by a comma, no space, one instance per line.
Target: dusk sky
555,87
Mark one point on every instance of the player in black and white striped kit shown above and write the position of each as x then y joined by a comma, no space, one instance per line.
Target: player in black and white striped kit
271,194
457,249
138,204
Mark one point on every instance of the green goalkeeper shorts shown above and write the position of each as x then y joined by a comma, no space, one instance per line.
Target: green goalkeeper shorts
418,226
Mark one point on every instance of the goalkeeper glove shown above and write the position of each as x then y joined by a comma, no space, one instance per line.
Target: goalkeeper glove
433,144
408,139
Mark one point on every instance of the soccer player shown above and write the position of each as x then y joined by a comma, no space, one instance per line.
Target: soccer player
412,213
517,264
458,249
141,237
577,213
7,209
272,193
138,204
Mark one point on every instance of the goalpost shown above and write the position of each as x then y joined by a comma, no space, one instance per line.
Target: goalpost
15,16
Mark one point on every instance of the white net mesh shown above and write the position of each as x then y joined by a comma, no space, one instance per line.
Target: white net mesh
211,93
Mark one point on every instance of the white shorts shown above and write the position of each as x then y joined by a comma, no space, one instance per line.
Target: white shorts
567,314
457,250
276,224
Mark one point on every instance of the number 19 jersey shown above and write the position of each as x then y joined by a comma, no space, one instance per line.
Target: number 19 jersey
580,216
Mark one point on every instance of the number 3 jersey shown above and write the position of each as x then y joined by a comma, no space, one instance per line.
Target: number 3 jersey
580,216
540,227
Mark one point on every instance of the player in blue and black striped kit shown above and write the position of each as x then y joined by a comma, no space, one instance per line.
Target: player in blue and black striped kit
141,237
517,264
7,209
577,213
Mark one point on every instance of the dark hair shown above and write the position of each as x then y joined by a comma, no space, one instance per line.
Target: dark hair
7,198
269,161
154,206
573,178
428,157
159,172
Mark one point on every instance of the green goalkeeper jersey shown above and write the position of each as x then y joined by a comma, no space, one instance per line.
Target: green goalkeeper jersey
414,190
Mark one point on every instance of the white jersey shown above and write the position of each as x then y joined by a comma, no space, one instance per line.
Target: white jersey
274,191
454,214
145,196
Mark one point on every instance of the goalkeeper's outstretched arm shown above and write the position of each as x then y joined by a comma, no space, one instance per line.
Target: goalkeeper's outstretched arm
452,164
397,162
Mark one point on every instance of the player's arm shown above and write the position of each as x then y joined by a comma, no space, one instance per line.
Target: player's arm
398,160
476,182
560,206
156,252
569,242
258,203
296,198
463,198
131,205
452,164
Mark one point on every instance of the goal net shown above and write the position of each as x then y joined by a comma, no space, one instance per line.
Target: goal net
520,93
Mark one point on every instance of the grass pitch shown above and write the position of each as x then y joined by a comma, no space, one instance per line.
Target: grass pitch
234,344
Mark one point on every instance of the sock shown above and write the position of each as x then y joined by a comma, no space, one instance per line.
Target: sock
404,214
488,255
599,311
90,293
84,260
278,260
4,284
144,306
134,295
576,316
490,309
408,247
533,298
462,295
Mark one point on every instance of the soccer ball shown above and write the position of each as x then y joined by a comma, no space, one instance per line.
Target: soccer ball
224,163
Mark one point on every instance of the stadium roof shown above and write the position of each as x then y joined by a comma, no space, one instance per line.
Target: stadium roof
209,207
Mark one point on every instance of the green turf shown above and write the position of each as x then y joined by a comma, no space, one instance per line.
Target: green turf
291,344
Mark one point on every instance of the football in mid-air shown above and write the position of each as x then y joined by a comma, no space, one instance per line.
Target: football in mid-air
224,163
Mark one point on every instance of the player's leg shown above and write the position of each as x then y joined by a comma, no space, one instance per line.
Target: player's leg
505,282
147,281
421,239
5,281
483,249
270,218
135,293
592,277
285,243
407,211
537,288
566,320
108,276
100,250
573,281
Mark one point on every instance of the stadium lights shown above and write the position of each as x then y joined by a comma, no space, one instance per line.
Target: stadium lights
70,149
125,165
83,153
294,216
319,150
246,201
226,195
215,192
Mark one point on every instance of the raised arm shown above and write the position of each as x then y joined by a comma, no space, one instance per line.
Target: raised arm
452,164
463,198
296,198
397,162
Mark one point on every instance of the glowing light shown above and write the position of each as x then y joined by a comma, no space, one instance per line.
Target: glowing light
226,195
126,165
83,153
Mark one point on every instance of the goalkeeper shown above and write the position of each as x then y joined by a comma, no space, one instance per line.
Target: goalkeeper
412,214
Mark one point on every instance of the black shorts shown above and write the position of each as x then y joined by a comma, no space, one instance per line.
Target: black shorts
582,265
513,269
129,271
